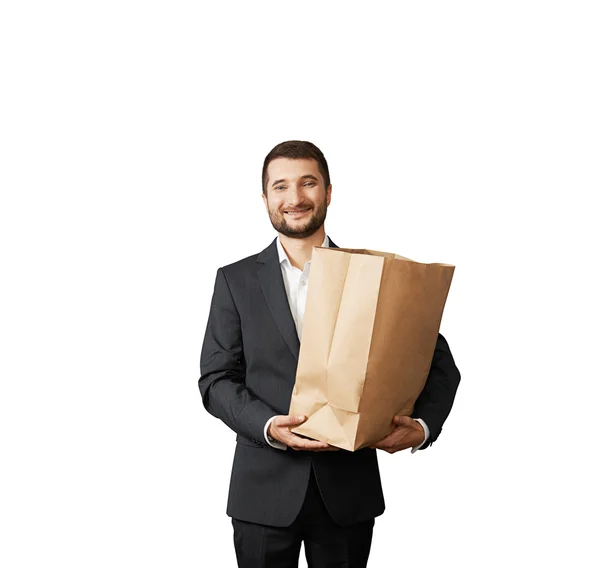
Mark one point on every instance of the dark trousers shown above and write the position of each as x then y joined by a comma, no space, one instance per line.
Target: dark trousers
326,544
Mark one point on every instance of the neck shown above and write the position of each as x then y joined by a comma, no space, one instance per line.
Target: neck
299,251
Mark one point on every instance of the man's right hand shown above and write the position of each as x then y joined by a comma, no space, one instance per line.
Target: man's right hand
279,429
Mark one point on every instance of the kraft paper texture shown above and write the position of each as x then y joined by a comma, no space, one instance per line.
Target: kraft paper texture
370,328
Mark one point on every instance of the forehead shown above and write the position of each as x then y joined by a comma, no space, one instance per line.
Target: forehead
286,168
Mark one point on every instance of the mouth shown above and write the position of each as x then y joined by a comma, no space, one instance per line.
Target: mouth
294,214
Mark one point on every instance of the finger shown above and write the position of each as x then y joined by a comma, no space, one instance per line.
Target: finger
289,420
303,443
310,445
393,448
329,446
312,448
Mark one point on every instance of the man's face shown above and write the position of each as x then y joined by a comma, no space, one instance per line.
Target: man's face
296,199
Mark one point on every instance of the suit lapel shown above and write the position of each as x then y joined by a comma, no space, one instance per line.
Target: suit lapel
273,289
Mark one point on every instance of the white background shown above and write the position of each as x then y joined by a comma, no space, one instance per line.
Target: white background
132,137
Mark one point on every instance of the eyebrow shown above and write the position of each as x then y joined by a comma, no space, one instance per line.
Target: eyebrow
306,176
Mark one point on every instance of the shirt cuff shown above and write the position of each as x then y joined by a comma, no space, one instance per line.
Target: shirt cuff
422,423
271,441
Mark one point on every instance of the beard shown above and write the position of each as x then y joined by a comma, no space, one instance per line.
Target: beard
299,230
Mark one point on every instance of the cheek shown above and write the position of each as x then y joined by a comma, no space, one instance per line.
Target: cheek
275,206
271,204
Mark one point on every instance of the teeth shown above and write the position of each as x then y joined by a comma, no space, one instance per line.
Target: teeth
292,212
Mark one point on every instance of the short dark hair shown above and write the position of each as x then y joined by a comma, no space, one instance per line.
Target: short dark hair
296,150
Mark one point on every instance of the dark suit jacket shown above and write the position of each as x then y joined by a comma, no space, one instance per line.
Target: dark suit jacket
248,368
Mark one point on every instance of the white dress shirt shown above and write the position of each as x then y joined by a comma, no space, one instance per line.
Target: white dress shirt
296,287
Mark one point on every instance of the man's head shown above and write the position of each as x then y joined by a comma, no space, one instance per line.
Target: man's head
296,188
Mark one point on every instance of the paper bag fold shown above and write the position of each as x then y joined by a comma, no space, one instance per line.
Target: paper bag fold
370,327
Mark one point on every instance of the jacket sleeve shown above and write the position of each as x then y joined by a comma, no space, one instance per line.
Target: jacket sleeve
435,401
223,369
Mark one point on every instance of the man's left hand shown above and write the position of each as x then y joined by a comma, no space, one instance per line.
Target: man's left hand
408,433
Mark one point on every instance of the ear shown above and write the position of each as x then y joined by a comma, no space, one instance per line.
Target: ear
328,195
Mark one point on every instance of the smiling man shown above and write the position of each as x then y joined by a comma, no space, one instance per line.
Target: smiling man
296,195
286,489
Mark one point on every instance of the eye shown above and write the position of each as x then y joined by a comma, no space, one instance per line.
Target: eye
279,187
309,183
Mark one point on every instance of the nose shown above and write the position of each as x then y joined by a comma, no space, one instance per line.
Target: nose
295,196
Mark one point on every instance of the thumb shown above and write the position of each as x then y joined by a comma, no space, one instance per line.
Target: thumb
402,420
291,420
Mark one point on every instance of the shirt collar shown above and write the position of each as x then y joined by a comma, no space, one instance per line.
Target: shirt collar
283,256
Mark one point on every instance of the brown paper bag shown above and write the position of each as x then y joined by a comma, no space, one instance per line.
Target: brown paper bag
370,328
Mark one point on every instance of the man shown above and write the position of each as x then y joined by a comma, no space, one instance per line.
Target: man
286,489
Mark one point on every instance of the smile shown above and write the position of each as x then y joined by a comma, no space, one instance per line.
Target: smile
297,213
